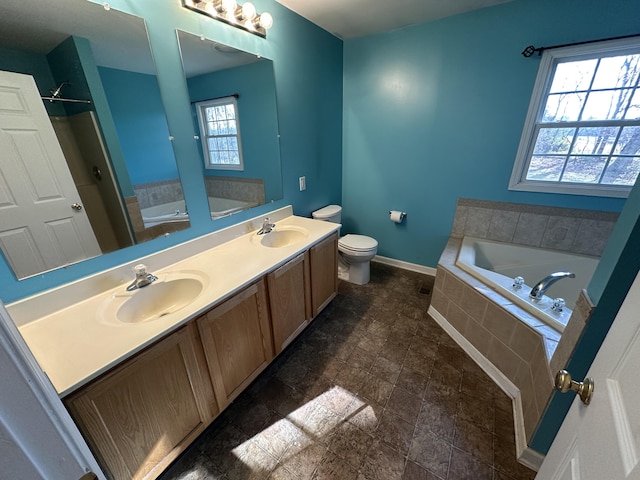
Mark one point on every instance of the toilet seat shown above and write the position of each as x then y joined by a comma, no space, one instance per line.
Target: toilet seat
357,244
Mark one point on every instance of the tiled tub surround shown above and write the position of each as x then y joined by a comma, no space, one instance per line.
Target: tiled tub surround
517,350
236,188
568,230
143,233
155,193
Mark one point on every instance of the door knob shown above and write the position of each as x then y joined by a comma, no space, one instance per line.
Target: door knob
564,383
76,206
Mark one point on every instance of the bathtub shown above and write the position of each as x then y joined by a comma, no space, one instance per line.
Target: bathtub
176,211
497,264
164,213
221,207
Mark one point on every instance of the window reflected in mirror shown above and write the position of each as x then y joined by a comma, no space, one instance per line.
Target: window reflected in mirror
96,73
220,133
240,171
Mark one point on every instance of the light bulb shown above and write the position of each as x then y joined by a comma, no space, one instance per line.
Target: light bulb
248,10
264,20
223,6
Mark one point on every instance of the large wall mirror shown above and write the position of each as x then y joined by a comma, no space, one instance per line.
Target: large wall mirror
234,109
94,65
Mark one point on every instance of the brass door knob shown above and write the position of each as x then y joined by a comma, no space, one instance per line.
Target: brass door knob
564,383
76,206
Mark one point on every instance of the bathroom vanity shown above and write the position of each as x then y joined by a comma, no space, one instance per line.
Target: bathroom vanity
141,392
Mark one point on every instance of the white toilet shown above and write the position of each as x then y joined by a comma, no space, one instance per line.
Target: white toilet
355,251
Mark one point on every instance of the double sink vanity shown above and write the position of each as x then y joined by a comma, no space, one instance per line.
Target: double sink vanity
143,371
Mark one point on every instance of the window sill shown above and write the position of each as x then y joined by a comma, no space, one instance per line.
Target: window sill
612,191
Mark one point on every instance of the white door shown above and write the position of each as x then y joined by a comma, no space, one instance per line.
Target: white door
601,441
38,439
39,227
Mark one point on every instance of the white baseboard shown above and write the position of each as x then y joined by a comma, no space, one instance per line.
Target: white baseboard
414,267
526,455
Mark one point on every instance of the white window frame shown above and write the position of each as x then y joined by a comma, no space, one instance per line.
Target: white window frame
550,58
202,123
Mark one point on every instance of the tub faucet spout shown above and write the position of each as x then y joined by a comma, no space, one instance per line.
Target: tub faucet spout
541,287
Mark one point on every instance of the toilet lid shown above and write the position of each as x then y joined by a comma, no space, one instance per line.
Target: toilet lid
326,212
358,243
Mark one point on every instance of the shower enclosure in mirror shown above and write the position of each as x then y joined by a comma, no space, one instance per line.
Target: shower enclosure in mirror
94,71
235,118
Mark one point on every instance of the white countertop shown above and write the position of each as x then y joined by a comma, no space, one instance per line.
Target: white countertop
77,342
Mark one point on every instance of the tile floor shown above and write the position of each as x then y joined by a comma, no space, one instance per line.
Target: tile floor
374,389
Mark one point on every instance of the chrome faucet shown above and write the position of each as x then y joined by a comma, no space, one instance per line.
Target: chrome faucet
142,278
267,226
541,287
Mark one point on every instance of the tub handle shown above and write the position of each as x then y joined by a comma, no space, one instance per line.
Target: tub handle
564,383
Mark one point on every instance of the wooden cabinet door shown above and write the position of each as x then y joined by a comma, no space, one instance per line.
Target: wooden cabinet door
324,273
139,417
290,300
236,336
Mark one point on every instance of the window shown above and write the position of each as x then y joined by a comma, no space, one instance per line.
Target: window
582,133
220,133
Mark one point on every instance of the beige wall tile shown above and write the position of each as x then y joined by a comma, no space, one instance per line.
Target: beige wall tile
503,225
440,302
474,303
457,317
441,274
503,358
479,337
477,223
568,340
531,417
542,381
454,288
525,341
499,322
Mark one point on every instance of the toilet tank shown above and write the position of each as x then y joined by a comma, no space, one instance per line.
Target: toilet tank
330,213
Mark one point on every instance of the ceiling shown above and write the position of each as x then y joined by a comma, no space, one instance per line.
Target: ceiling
358,18
200,56
118,40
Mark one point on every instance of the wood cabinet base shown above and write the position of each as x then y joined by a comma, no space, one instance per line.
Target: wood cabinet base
139,417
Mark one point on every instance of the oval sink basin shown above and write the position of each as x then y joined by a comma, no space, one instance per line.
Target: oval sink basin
159,299
282,237
165,296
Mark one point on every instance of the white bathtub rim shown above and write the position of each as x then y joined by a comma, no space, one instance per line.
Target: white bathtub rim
465,260
166,212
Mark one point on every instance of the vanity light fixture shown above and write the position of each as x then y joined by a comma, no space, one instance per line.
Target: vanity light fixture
242,16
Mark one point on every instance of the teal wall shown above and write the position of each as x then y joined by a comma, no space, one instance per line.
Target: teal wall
308,73
258,120
137,111
35,65
434,112
431,113
66,65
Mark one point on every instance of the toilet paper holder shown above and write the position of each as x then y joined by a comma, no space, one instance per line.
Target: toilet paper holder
397,216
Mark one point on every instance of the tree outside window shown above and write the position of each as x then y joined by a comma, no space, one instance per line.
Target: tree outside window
220,133
582,134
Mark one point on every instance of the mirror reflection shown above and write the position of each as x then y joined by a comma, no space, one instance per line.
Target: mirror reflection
235,118
94,70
